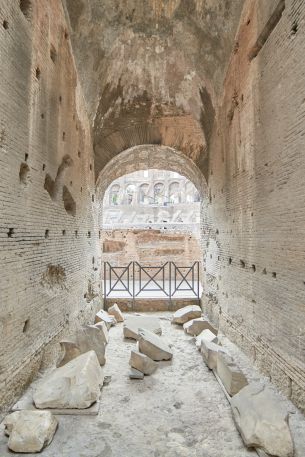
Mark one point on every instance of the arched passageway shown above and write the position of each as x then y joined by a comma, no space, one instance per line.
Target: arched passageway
211,89
173,275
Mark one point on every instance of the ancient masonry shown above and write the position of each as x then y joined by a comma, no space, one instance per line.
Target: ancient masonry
93,90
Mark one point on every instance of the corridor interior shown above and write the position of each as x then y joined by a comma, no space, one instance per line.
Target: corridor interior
212,90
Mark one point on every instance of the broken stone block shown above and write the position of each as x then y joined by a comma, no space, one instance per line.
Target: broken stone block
103,328
30,431
115,311
230,375
142,363
88,338
262,421
153,346
132,325
103,316
74,385
206,335
196,326
210,352
135,374
187,313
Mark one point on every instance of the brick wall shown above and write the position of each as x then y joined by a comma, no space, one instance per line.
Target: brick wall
48,235
254,233
149,247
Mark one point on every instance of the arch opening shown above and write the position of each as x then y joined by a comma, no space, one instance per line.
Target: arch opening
151,206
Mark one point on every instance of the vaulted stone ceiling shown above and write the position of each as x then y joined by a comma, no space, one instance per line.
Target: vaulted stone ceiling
151,70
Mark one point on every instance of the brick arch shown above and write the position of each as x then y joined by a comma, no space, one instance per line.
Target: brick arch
150,156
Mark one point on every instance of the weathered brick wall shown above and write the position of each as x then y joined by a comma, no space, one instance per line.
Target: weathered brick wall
48,238
256,216
149,247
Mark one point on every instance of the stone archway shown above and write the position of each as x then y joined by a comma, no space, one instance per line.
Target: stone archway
156,157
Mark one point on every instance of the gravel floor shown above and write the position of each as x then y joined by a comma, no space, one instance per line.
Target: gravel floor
179,411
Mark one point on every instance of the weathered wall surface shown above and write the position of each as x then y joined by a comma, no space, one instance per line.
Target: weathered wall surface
255,238
149,247
48,237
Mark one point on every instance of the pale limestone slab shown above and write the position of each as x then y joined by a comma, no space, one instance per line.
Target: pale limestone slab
87,338
230,375
133,323
153,346
262,421
74,385
103,316
26,403
142,362
205,335
187,313
195,326
135,374
115,311
103,328
30,431
210,352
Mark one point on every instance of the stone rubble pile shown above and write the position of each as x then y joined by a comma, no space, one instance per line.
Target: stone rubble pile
75,384
260,419
151,348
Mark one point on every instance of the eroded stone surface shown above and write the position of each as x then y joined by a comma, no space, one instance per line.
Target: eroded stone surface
135,374
30,431
153,346
196,326
172,418
262,421
103,328
87,338
230,375
209,351
103,316
142,363
74,385
115,311
206,335
183,315
133,323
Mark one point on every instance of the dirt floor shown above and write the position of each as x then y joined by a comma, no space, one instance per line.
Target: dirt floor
179,411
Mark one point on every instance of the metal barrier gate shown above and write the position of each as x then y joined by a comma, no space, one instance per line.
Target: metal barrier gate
139,281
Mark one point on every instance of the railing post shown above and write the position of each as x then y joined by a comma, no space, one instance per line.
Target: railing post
170,286
133,285
105,292
198,275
